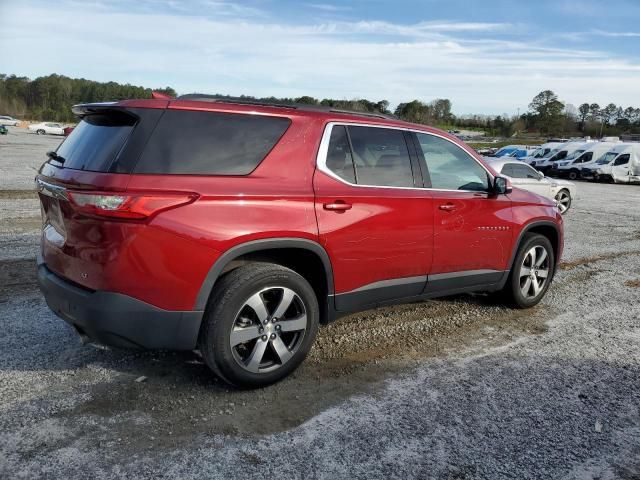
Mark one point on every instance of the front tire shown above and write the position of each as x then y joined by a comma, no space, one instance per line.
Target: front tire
40,132
531,273
259,325
573,174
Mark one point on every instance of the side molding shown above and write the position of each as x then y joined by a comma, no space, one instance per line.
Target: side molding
257,246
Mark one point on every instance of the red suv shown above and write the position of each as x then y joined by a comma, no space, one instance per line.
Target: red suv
236,229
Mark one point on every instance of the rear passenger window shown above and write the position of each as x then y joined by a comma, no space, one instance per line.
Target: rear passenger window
379,157
208,143
450,167
339,158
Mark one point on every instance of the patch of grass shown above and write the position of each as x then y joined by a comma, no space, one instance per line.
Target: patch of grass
597,258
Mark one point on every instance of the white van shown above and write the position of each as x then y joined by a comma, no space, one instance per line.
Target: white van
540,152
601,168
567,150
570,167
634,167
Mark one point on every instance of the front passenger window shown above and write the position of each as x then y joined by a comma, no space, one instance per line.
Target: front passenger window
622,159
450,167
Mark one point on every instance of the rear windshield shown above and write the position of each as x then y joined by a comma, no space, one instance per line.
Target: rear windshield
210,143
96,141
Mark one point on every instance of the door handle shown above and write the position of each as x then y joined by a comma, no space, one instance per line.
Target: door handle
337,206
447,207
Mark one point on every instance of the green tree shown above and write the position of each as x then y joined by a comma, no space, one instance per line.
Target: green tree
548,110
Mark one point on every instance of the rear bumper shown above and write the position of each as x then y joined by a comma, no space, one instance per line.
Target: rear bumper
116,319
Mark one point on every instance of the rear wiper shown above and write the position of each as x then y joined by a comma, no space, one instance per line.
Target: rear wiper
54,156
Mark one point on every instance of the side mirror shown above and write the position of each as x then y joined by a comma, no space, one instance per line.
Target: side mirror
540,175
501,186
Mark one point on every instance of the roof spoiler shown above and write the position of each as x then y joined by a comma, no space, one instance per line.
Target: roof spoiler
160,96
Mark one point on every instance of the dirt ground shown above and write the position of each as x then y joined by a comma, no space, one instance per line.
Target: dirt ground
456,388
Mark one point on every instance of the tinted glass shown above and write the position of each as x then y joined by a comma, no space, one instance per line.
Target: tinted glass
450,167
381,157
622,159
207,143
339,158
524,171
96,141
585,157
507,170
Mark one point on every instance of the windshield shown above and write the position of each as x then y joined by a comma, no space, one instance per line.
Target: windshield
551,153
607,158
575,154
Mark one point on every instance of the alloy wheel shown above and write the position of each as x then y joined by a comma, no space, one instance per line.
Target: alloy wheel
534,272
563,200
268,329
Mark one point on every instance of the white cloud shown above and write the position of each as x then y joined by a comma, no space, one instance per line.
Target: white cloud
223,53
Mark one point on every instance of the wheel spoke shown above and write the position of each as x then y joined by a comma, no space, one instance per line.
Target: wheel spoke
541,258
542,273
294,325
525,271
244,334
253,362
287,297
536,286
281,350
532,254
526,287
258,306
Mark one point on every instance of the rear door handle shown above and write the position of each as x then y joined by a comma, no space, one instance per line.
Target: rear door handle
447,207
338,206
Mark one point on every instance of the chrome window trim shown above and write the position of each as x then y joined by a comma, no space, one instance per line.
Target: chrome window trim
321,158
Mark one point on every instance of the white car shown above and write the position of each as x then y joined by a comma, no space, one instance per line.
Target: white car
47,127
10,121
526,177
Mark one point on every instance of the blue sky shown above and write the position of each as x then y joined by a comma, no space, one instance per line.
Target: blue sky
488,56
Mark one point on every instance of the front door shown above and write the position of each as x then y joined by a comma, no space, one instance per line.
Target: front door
374,219
472,227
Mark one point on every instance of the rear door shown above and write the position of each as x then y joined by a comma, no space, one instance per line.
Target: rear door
375,219
472,227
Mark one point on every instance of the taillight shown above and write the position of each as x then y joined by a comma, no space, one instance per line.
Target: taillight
132,206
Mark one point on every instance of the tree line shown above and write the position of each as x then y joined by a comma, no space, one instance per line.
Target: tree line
549,116
51,97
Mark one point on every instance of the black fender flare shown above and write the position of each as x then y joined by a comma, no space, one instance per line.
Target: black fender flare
257,246
527,228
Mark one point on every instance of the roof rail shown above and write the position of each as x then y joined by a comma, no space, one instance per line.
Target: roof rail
298,106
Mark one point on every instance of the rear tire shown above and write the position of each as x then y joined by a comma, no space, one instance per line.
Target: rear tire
259,325
40,132
531,273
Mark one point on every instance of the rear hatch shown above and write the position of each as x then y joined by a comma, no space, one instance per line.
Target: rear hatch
79,189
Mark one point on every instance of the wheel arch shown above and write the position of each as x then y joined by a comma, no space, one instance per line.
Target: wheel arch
543,227
311,261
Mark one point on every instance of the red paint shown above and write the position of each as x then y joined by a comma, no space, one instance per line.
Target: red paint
384,234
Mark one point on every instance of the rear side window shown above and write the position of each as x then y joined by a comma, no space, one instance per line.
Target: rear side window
339,158
96,141
208,143
379,156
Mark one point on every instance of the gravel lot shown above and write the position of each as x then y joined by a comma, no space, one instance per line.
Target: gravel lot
458,388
